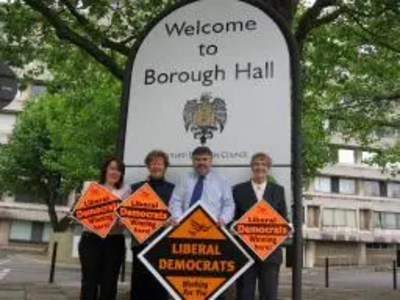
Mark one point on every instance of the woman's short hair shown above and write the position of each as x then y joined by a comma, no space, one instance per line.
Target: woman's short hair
261,156
157,154
120,166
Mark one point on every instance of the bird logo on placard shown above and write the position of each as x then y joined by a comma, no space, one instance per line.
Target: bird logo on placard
262,209
198,228
203,117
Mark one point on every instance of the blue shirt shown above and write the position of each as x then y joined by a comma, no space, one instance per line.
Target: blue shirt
216,197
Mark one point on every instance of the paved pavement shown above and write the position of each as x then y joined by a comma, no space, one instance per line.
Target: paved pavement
24,277
37,291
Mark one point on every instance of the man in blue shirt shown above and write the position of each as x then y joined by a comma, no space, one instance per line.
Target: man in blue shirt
206,186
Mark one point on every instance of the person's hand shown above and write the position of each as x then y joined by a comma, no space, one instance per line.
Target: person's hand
119,223
171,222
221,222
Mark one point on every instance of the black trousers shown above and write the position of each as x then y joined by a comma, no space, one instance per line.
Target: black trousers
101,261
268,280
144,286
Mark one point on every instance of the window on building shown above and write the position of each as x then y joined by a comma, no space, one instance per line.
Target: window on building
37,232
378,220
20,230
328,217
339,217
313,213
375,188
347,186
47,230
335,185
30,198
38,90
387,132
26,231
26,198
365,219
387,220
371,188
390,220
383,189
322,184
346,156
62,201
351,218
367,157
380,246
394,190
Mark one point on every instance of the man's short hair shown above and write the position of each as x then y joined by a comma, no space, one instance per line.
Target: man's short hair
261,156
202,150
157,154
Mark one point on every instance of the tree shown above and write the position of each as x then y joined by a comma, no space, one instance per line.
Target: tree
349,49
351,85
59,140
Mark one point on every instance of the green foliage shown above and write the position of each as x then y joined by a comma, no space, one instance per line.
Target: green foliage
61,138
84,127
351,84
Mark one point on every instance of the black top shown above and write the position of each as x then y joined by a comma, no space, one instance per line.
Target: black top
162,188
245,198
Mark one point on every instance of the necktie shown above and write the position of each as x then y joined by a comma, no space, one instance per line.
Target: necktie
198,190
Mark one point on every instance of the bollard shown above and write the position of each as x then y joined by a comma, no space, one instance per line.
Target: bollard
53,262
326,272
394,275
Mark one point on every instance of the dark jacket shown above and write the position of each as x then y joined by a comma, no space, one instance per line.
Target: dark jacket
245,198
161,187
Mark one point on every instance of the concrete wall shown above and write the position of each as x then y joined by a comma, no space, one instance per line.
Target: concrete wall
339,253
379,257
64,249
4,232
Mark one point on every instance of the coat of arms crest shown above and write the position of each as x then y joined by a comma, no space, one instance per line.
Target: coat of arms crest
203,117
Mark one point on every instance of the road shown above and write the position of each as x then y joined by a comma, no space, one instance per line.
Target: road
348,278
19,268
22,268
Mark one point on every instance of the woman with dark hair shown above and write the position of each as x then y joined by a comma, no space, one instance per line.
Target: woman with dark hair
143,284
101,259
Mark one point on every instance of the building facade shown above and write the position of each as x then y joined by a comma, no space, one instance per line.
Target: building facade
352,212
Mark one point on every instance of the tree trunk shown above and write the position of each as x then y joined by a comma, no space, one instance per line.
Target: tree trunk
51,209
285,8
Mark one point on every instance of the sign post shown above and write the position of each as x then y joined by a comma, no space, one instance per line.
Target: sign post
221,73
196,260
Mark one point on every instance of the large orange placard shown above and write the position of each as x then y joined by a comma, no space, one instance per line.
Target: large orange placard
143,213
95,209
196,260
262,228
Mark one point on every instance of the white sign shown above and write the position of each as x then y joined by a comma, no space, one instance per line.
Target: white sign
212,72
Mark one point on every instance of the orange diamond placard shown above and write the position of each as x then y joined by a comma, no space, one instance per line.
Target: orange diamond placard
262,228
143,213
95,209
196,260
